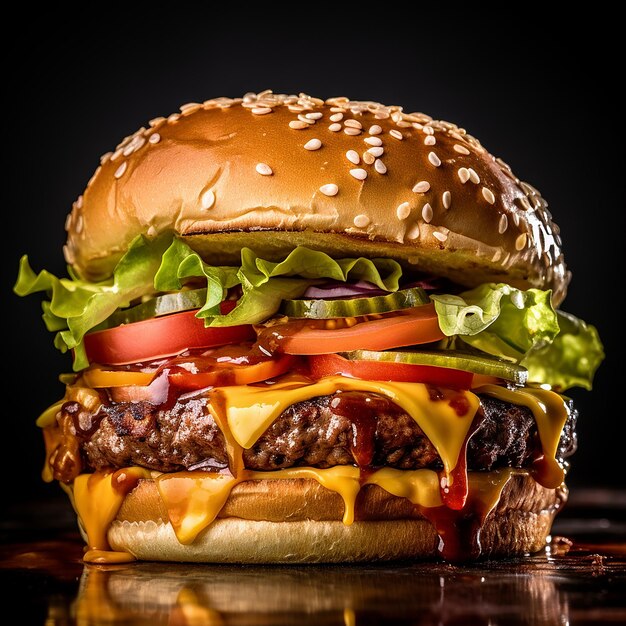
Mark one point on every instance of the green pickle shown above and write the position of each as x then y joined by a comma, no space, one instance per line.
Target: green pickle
486,365
355,307
155,307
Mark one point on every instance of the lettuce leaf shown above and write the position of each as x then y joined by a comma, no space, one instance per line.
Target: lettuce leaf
266,284
499,319
76,306
179,262
571,360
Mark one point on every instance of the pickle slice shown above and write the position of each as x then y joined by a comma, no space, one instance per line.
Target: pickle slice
355,307
477,364
155,307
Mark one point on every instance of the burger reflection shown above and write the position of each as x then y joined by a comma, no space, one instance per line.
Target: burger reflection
177,595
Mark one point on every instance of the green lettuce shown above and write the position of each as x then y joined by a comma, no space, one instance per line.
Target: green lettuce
76,306
180,262
499,319
266,284
571,360
557,348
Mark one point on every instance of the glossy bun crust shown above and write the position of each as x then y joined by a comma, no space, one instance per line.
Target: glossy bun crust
351,178
298,521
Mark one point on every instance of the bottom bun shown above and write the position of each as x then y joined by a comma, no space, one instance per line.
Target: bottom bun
248,531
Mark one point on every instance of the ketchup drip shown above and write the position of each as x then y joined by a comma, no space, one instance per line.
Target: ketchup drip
361,410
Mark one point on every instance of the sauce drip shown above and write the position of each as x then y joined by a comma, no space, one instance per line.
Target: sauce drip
362,411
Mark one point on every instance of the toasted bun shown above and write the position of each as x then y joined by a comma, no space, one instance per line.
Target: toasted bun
300,521
271,172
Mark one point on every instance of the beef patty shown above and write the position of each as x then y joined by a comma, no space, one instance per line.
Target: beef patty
317,432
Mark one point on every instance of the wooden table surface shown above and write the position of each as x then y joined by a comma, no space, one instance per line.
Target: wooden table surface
579,579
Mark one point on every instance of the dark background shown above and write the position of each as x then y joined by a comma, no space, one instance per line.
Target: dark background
540,95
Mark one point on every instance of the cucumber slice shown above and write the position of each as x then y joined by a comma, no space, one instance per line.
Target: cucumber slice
155,307
355,307
477,364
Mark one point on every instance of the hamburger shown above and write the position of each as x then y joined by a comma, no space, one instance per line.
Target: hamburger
306,330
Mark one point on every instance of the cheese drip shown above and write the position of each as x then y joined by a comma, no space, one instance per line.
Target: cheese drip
251,410
550,412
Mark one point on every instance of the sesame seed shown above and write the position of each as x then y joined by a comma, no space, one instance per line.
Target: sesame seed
430,140
396,134
336,117
152,231
376,151
157,121
523,200
427,212
313,144
381,115
440,236
350,130
68,221
368,157
173,118
414,232
261,110
119,172
520,242
154,138
207,200
133,146
380,167
373,141
488,195
336,109
298,124
316,115
361,221
403,124
496,256
68,254
330,189
375,129
403,211
306,120
358,173
428,130
461,149
79,202
446,199
117,154
516,219
503,224
422,187
354,124
353,157
434,159
335,128
473,176
79,224
105,157
464,174
264,169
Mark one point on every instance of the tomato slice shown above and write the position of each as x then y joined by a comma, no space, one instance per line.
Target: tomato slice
332,364
402,328
159,337
222,372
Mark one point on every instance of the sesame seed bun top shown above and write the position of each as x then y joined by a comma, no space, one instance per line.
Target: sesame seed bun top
271,172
